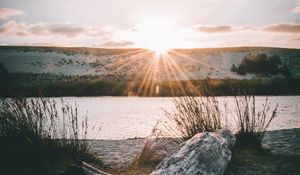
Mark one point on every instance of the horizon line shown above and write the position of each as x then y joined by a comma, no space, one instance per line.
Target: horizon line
188,48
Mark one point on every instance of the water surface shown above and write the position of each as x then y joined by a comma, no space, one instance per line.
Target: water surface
129,117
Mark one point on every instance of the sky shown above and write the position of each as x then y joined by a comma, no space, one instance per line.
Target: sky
152,24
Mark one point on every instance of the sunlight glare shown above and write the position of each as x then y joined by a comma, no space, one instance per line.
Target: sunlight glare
156,35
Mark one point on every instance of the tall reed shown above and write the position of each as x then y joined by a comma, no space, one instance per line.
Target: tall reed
39,136
252,122
193,115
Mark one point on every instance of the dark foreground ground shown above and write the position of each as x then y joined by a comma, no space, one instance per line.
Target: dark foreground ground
248,161
281,156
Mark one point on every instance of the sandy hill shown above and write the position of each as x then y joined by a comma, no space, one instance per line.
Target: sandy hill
129,64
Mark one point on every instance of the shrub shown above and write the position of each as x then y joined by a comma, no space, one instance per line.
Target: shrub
4,79
38,137
193,115
233,68
284,70
252,123
3,69
260,64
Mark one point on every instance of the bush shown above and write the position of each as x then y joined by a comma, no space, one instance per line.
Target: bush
40,138
284,70
3,69
260,64
4,79
251,123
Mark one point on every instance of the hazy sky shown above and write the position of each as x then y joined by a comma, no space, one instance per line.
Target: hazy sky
150,23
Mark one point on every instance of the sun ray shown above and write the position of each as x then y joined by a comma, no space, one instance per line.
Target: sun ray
151,78
176,79
192,59
125,59
132,60
146,78
190,84
168,77
145,82
175,76
129,56
127,62
131,52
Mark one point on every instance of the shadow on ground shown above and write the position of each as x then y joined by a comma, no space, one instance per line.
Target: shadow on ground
280,156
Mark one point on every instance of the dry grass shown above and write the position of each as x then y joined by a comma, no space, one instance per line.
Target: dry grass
41,138
193,115
252,123
153,152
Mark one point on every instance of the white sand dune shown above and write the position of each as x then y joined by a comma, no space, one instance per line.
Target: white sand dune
130,63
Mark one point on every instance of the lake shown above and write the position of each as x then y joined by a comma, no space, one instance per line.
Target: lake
129,117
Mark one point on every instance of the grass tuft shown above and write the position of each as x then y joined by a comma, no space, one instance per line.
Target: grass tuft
41,137
193,115
251,122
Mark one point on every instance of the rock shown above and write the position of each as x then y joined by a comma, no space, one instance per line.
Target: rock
206,154
228,136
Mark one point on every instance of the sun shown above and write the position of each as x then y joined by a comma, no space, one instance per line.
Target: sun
156,35
159,34
159,49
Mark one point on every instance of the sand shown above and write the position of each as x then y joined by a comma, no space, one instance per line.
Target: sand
283,142
117,154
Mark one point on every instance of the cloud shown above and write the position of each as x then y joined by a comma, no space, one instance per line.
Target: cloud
77,35
40,44
296,9
214,29
50,29
66,30
118,44
275,28
13,27
8,12
283,28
